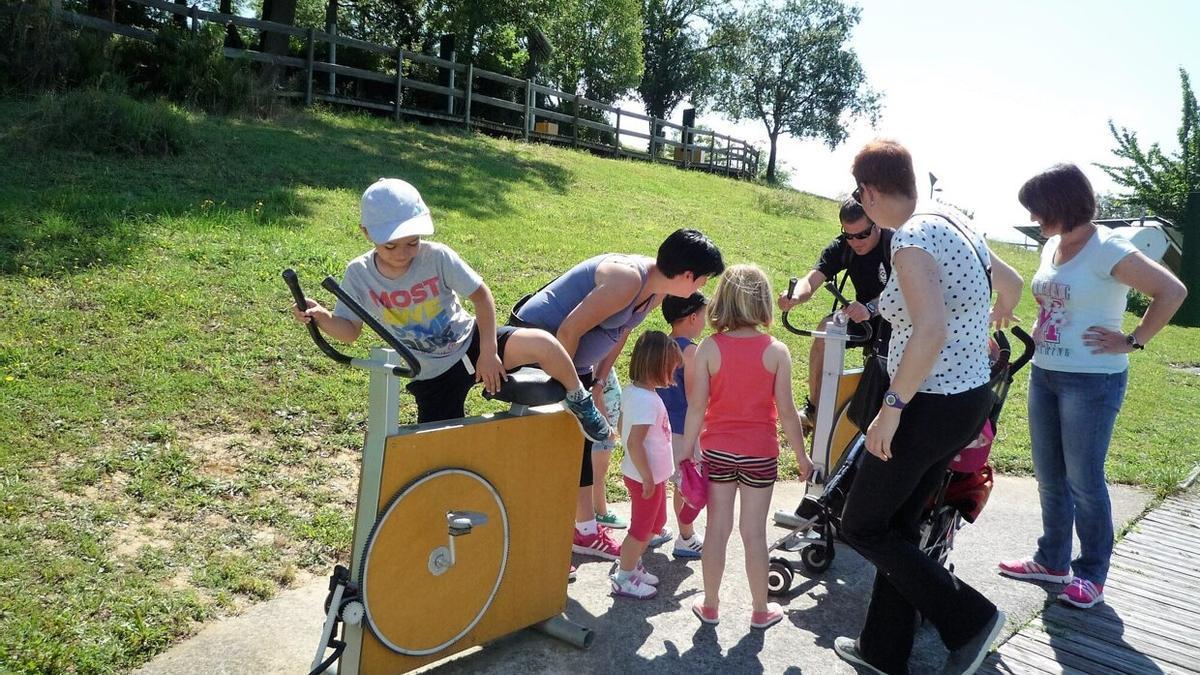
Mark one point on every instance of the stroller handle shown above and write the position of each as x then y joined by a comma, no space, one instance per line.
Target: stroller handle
864,336
1027,346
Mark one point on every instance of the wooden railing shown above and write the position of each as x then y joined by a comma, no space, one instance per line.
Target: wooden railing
457,100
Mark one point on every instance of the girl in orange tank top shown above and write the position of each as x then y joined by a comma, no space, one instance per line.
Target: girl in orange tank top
741,393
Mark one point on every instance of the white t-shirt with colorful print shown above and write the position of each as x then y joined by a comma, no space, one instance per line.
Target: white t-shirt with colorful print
422,307
1076,295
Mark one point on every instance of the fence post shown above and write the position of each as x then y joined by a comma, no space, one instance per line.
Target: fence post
617,136
194,15
575,122
399,82
467,94
712,148
332,30
308,69
453,72
728,155
527,122
653,140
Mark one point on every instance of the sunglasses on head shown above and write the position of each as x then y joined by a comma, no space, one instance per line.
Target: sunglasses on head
861,235
857,194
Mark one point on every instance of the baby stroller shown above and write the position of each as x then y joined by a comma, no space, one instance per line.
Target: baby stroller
838,445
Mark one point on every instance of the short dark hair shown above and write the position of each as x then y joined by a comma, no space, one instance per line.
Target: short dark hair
1060,195
675,308
886,166
851,211
689,251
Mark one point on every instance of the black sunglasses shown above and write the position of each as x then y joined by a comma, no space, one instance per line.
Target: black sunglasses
857,194
861,235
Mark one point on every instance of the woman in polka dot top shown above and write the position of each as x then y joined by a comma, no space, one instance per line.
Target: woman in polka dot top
937,301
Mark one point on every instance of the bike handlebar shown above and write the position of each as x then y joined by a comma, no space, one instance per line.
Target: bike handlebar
412,367
865,336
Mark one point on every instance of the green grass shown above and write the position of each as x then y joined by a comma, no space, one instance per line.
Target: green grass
174,448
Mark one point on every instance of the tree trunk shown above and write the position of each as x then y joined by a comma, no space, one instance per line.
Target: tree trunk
771,159
279,11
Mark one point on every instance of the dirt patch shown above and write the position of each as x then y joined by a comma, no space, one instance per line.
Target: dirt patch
129,540
1189,368
222,455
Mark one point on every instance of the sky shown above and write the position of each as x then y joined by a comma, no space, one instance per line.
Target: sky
987,94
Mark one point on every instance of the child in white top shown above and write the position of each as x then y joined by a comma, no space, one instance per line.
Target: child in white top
649,461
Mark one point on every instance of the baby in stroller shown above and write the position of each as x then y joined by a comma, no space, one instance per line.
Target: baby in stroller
960,498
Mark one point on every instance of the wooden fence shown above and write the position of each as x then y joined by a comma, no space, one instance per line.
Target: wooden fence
474,97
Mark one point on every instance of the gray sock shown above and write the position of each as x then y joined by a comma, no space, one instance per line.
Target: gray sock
577,395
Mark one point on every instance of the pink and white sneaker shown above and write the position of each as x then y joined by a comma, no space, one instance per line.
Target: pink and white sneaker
764,620
1082,594
600,545
631,586
1027,569
644,575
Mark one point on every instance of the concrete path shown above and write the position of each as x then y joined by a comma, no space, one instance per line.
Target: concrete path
661,635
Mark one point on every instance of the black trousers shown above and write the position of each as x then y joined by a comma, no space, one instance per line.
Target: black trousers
881,520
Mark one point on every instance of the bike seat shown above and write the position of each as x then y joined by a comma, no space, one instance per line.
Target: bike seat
528,386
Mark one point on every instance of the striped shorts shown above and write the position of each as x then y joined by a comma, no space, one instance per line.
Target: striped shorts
728,467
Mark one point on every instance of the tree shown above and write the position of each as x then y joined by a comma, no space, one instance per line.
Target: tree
1157,181
597,48
1109,205
795,73
681,40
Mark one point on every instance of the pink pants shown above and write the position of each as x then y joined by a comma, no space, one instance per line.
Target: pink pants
649,515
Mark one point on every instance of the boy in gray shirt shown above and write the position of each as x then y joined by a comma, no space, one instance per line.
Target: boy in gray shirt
414,287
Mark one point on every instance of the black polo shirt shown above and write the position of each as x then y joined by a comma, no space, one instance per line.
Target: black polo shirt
869,272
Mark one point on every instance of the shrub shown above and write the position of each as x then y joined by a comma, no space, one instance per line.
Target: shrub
188,68
1137,302
106,122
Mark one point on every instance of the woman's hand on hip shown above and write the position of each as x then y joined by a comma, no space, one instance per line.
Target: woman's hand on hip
881,431
1105,341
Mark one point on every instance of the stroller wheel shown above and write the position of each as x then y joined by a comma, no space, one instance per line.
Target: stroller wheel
817,557
779,576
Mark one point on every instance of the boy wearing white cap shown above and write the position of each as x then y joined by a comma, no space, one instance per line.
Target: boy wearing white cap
413,287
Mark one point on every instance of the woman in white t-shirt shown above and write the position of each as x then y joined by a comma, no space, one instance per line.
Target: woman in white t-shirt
937,301
1079,374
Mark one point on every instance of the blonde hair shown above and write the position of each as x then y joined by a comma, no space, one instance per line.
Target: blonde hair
742,299
654,360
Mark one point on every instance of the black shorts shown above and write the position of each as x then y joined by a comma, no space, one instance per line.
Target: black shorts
444,397
585,472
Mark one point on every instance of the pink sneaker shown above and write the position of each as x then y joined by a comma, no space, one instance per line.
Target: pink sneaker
1082,594
600,545
764,620
1026,568
644,575
705,614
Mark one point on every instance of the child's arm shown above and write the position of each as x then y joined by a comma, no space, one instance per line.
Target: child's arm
488,367
697,394
689,374
335,327
789,418
635,446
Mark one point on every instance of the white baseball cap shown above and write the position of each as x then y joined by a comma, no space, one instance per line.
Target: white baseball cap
393,209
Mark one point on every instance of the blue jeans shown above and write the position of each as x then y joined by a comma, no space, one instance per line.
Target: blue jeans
1071,417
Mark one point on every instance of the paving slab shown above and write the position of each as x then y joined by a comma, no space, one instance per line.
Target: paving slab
662,635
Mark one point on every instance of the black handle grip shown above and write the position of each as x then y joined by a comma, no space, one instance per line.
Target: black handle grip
386,335
1027,345
411,368
829,286
293,283
865,336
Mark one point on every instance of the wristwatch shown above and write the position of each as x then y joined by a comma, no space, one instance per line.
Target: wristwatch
1132,342
893,400
871,308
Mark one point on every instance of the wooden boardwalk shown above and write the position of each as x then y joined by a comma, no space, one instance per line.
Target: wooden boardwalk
1150,620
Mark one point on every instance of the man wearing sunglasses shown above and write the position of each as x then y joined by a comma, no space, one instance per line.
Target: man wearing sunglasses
863,252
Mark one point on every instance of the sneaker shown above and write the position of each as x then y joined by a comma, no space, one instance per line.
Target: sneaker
1032,571
691,547
1082,594
632,586
764,620
612,520
591,422
706,615
571,574
661,538
967,658
600,545
645,575
847,649
808,417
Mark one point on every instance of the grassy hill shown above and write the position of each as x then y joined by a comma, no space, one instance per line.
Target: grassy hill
172,447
